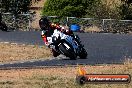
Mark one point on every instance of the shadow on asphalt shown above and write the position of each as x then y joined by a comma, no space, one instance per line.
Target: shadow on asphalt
60,61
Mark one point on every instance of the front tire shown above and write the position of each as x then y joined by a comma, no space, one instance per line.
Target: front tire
67,52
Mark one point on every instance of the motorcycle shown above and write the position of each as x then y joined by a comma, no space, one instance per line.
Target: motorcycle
70,46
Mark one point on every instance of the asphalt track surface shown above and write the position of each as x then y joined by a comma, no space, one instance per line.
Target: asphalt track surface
102,48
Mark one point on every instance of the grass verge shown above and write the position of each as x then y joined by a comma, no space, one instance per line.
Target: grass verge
60,77
15,52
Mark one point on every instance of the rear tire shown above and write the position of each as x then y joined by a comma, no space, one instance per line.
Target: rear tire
69,53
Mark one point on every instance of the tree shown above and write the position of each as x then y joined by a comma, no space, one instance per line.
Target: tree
126,9
15,6
88,8
76,8
105,10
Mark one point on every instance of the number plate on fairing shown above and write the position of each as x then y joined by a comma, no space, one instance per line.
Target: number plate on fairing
66,46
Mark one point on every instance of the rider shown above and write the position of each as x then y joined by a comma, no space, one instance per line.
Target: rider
48,29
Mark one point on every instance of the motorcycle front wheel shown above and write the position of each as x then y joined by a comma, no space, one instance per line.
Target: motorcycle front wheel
67,52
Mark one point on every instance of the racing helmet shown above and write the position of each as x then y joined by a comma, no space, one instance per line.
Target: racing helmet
44,23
